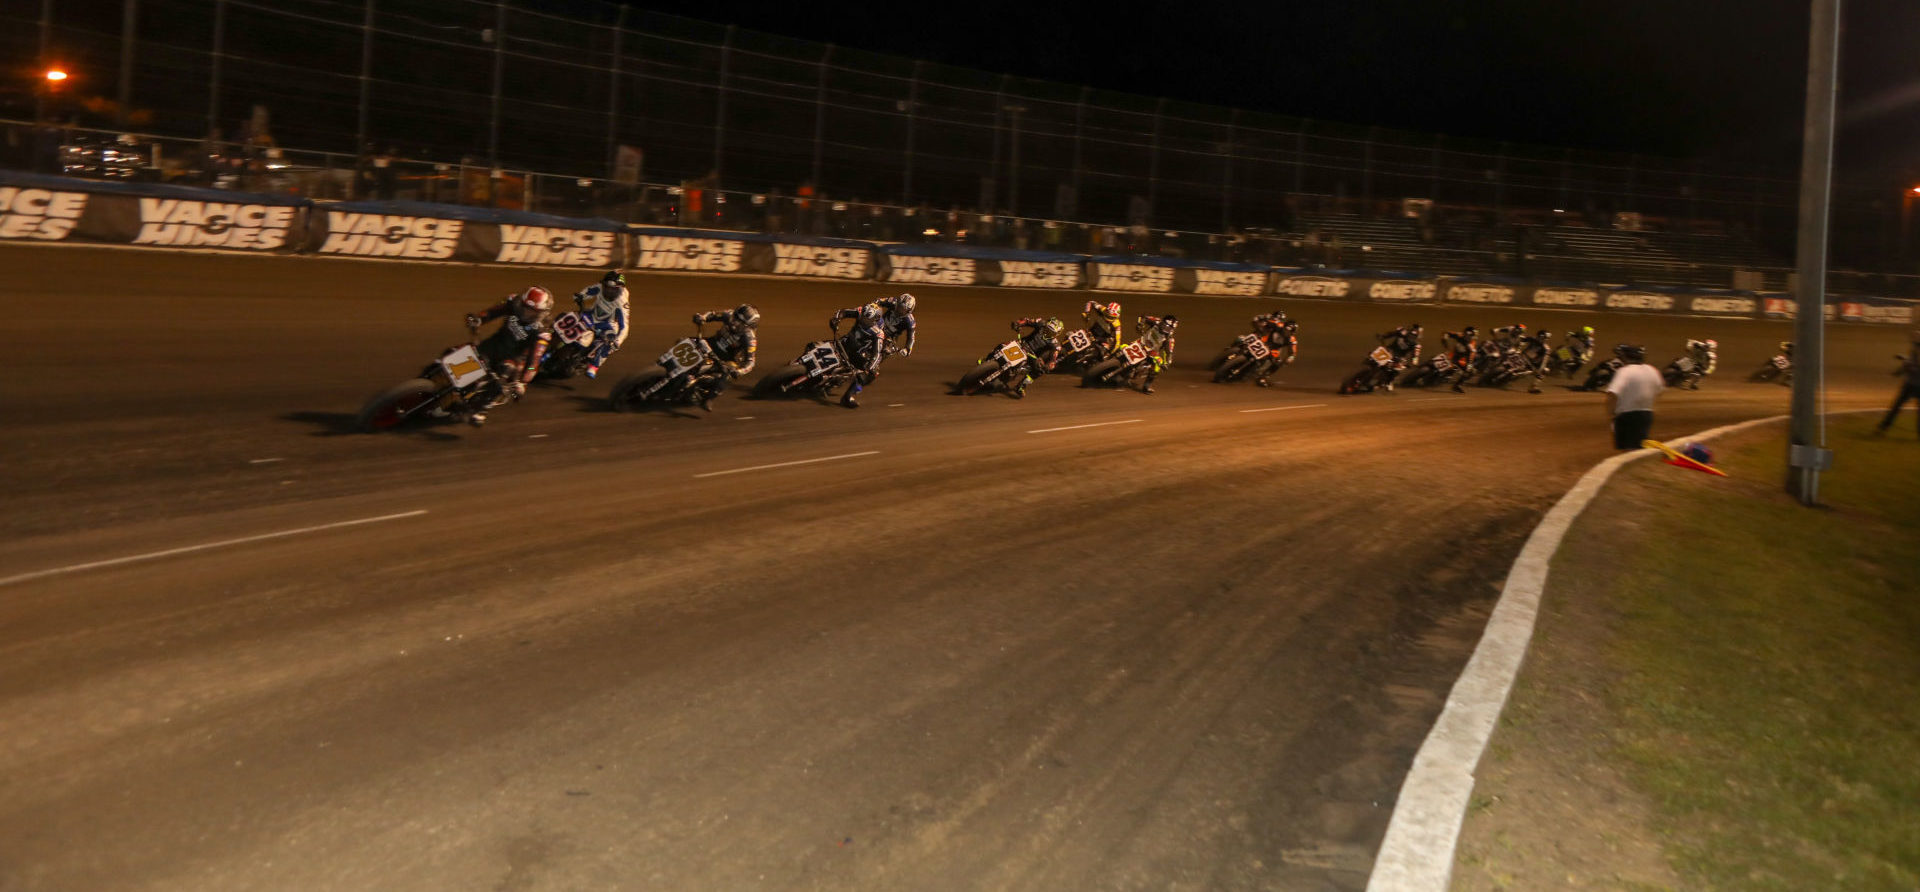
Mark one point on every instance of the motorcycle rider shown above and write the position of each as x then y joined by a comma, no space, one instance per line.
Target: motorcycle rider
734,346
1706,357
1156,334
605,305
513,351
1285,335
1103,325
1536,351
1579,346
1460,346
876,326
1038,339
1507,337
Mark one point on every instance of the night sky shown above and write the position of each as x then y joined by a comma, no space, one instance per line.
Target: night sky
1722,80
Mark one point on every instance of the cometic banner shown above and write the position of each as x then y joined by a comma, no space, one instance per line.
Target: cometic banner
1501,291
970,265
45,208
1691,301
1379,286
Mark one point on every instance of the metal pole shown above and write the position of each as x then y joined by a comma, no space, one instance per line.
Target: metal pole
1079,131
820,114
990,195
1153,163
366,76
613,90
1226,175
1806,457
913,108
720,108
129,22
41,86
218,56
1013,162
499,73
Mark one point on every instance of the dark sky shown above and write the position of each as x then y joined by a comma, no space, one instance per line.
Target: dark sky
1717,79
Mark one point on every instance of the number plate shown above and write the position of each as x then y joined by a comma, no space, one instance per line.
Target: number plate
1442,364
463,366
1381,355
1011,354
572,329
820,358
1780,362
1134,353
1078,341
1256,348
685,355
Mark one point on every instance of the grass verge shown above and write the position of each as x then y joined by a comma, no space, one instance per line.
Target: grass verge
1724,689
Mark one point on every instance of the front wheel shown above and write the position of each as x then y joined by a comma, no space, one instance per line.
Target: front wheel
1231,369
779,381
976,378
627,395
1219,359
1100,372
1356,383
396,405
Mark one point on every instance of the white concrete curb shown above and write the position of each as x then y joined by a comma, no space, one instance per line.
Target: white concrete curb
1418,852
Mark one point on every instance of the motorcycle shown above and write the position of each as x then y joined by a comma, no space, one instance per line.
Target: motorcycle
1006,369
1683,371
1440,368
573,340
1078,351
1249,353
1602,374
459,384
1129,364
1568,358
688,373
1510,366
1779,368
821,368
1379,371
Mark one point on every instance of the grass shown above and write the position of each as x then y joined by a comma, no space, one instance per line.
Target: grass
1768,658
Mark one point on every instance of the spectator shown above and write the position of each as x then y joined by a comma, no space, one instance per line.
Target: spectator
1909,386
1630,397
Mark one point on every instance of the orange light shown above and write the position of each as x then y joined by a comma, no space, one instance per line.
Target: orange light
1916,190
55,74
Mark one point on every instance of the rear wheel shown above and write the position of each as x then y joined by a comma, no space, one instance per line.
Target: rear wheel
778,381
626,395
1099,373
1355,383
976,378
395,405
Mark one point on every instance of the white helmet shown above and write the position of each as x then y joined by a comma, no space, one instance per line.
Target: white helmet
904,304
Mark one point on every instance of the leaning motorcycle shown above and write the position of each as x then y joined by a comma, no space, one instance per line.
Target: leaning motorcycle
1779,368
457,385
1602,374
1684,372
1005,370
1247,353
1126,368
573,339
1379,370
1568,359
688,373
1440,368
823,366
1078,351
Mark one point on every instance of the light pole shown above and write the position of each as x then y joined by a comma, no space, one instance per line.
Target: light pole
1013,161
1807,455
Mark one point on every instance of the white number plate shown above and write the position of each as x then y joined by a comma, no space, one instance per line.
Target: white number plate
572,329
1256,348
684,355
463,365
1078,341
1011,354
1134,353
819,358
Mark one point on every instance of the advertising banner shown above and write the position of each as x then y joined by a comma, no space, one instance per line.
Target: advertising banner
1139,274
1224,279
420,231
1695,301
720,251
1878,310
1380,286
973,265
47,208
1641,300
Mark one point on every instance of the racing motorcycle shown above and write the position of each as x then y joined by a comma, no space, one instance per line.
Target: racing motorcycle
1683,371
1779,368
1568,358
1078,351
1379,370
1511,366
822,367
1246,354
1433,371
1602,374
1006,370
1125,368
573,339
688,373
459,384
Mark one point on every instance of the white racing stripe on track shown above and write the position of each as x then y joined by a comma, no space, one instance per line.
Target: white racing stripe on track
786,464
1284,408
94,565
1075,427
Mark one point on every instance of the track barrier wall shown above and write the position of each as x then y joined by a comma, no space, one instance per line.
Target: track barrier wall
42,208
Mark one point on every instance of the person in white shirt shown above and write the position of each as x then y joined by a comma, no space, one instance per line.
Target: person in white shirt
1630,397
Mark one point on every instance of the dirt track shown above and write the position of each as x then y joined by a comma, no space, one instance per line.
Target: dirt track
1196,649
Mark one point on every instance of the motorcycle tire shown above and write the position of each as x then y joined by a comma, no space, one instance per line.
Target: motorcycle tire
1353,384
1219,360
1100,372
1232,369
778,381
976,377
395,405
625,396
1765,374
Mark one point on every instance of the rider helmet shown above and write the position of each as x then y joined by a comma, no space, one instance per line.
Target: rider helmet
870,314
1167,324
1111,310
613,279
1711,344
903,305
1291,325
1586,330
747,315
1469,331
533,303
1630,352
1053,327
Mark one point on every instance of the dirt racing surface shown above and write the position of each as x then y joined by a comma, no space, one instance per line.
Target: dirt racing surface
1089,639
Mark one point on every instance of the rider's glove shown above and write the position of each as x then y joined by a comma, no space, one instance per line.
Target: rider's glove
473,321
697,319
516,389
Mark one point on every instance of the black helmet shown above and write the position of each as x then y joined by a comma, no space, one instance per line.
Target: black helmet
614,277
1469,331
1631,352
746,314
